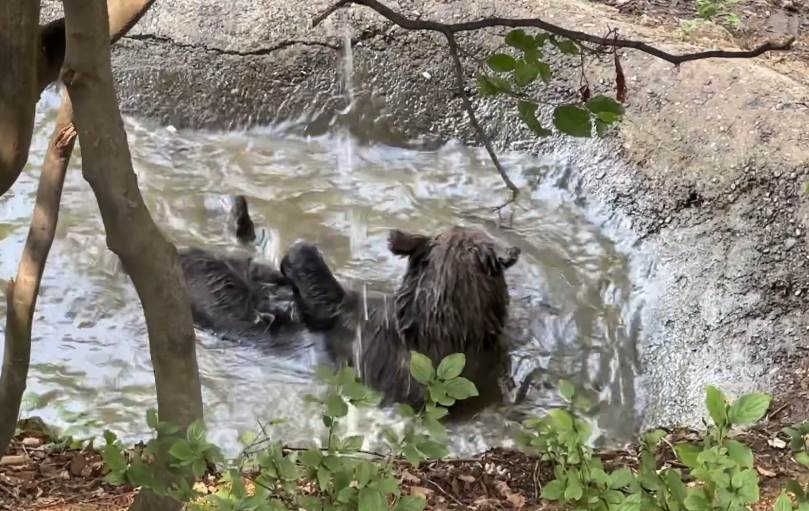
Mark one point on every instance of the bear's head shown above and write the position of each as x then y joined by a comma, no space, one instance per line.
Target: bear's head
453,292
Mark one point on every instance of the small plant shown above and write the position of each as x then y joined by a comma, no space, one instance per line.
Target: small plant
514,72
722,466
336,475
719,10
798,438
580,479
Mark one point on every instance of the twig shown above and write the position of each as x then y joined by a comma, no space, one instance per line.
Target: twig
453,28
470,110
778,410
442,490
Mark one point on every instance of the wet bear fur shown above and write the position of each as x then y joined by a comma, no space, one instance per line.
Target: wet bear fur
453,298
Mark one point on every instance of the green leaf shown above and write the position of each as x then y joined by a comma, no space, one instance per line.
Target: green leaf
346,375
411,503
716,403
561,420
365,472
114,458
325,374
355,391
492,85
739,453
746,482
346,494
198,467
353,443
621,478
696,500
517,38
335,406
802,458
433,449
602,103
783,503
687,454
421,368
572,120
525,73
501,63
182,451
389,486
460,388
749,409
196,432
451,366
323,478
311,458
435,428
371,499
527,114
566,46
407,411
413,455
544,71
573,491
567,390
151,418
553,490
436,412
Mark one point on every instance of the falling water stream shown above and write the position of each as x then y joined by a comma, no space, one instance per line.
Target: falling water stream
575,302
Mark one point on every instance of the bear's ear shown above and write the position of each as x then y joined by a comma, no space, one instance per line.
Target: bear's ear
405,244
510,258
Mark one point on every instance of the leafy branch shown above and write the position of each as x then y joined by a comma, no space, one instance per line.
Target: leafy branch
570,119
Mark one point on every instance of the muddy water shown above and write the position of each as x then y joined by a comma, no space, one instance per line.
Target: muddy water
574,304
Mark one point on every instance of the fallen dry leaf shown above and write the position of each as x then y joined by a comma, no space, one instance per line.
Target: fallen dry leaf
19,459
421,491
466,478
77,464
765,472
777,443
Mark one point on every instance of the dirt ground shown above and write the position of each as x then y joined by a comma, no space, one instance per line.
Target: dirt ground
40,475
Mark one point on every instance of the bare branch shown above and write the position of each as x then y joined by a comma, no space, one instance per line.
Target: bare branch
22,293
454,28
460,83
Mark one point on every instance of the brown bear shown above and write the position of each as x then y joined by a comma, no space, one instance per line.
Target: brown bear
453,298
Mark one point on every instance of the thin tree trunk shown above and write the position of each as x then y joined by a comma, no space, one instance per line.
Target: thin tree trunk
22,295
34,55
19,29
149,259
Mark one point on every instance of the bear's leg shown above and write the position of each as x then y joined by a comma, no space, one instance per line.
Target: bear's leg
318,294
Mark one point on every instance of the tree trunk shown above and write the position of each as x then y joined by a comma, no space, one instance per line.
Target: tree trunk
149,259
19,29
22,294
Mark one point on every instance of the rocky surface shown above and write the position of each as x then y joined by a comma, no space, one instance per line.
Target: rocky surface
708,170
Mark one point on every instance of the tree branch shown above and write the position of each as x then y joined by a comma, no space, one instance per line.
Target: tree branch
22,293
460,83
467,26
450,29
148,258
